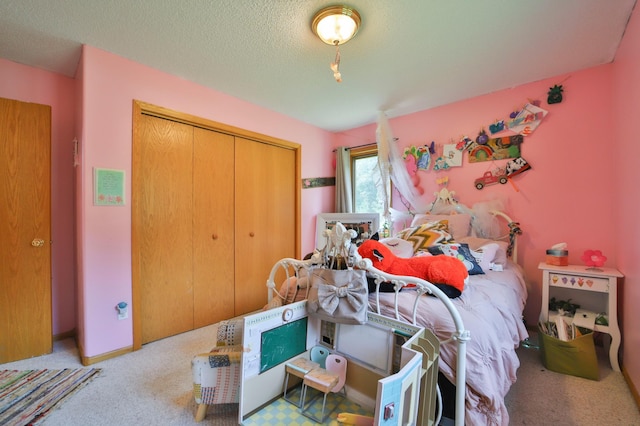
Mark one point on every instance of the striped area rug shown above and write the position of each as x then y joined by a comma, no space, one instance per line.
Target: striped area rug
27,396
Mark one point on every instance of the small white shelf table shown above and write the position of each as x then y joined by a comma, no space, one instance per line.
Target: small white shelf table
593,289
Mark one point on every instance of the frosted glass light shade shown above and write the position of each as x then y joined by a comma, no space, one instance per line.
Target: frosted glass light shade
336,25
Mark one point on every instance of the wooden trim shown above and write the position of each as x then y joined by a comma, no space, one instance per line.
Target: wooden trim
65,335
135,213
298,227
103,357
363,151
161,112
632,387
143,108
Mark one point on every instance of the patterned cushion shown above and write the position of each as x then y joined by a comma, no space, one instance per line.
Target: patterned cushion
216,375
459,224
459,251
217,361
224,356
427,234
230,332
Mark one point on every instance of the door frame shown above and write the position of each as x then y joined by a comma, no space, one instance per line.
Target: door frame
141,108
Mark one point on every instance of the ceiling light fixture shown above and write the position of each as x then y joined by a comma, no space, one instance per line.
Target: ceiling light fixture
336,25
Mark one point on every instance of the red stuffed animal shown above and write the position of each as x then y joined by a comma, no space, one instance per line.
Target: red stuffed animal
447,273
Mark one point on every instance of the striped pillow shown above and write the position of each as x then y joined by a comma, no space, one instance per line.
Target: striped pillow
427,234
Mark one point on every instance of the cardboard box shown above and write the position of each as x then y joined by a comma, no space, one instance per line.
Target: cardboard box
557,257
575,357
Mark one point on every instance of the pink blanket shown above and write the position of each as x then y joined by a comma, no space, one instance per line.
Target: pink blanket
491,307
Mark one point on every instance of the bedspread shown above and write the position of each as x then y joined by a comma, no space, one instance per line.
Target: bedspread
491,307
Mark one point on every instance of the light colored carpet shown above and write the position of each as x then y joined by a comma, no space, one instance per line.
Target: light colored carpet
542,397
153,386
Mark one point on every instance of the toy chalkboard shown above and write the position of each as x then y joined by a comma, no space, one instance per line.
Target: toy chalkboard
282,343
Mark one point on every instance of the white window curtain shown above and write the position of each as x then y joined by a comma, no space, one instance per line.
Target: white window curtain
392,167
344,199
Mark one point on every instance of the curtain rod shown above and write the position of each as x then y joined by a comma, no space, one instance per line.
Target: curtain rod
357,146
363,145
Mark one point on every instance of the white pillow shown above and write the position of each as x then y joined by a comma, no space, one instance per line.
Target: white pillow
398,246
459,224
475,243
485,255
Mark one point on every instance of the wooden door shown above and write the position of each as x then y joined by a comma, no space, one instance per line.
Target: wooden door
191,186
265,217
25,230
213,227
164,228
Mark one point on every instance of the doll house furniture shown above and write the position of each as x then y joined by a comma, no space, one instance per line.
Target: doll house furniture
299,368
330,379
253,372
277,337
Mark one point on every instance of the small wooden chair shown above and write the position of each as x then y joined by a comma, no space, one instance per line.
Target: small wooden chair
331,379
299,367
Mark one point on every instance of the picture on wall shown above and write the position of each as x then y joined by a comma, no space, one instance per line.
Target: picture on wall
452,155
495,149
108,187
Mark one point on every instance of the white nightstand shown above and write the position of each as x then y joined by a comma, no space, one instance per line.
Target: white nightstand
595,290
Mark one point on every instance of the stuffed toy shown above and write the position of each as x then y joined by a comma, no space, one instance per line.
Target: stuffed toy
447,273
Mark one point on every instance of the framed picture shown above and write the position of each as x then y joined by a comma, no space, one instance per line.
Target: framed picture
365,224
108,189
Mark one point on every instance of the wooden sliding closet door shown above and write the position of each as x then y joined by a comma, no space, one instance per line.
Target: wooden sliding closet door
212,210
165,227
25,230
265,217
213,227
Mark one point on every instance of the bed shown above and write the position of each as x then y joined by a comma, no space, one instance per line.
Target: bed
481,329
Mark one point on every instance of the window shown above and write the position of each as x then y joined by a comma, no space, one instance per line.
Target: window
365,175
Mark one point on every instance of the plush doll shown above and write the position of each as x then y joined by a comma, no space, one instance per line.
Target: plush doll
447,273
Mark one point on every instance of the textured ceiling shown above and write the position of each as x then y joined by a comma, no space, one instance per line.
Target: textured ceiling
409,55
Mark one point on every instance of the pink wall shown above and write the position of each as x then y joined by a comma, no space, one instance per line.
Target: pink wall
110,84
581,189
626,95
28,84
565,197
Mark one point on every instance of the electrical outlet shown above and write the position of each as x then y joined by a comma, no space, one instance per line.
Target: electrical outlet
123,310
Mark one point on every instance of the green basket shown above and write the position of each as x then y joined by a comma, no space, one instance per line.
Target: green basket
575,357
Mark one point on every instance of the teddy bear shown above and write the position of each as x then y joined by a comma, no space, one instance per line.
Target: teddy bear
447,273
